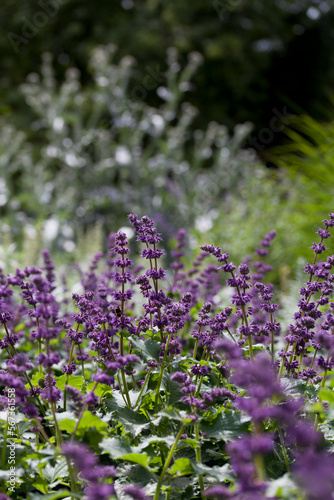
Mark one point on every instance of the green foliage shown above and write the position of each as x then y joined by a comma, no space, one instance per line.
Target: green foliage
94,154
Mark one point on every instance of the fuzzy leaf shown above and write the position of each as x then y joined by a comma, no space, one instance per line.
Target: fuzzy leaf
328,431
100,390
283,487
88,421
23,427
116,447
132,421
172,390
41,485
169,440
220,473
35,378
181,467
59,471
73,381
137,458
326,395
54,496
227,425
150,349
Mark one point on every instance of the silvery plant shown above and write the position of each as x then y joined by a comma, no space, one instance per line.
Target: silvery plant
94,153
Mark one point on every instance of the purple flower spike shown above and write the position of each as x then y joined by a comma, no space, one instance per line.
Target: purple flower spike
135,492
99,492
217,492
314,473
230,350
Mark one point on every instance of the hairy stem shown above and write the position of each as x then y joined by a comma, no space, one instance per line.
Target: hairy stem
168,460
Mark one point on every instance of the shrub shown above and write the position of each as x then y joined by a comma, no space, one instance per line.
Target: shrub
94,153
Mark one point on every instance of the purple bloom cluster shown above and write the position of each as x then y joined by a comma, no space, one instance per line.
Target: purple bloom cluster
85,463
134,332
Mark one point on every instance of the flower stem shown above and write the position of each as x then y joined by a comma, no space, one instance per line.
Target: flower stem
126,390
284,450
157,394
67,375
5,443
199,457
143,387
195,348
168,460
250,348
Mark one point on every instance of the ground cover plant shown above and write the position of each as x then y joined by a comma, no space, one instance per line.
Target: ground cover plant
167,383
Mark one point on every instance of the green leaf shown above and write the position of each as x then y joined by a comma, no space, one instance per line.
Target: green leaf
116,447
100,390
54,496
35,378
326,395
23,427
119,448
41,485
172,389
132,421
169,440
135,473
220,473
171,414
227,425
73,381
137,458
328,431
87,422
150,349
283,487
51,473
181,467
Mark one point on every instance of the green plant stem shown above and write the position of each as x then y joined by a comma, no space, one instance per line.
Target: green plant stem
67,375
323,382
73,480
199,385
117,376
120,388
195,348
199,457
83,369
143,387
313,359
282,365
39,402
168,460
134,382
250,348
40,367
284,450
204,353
126,390
43,433
5,443
258,459
157,394
230,334
59,436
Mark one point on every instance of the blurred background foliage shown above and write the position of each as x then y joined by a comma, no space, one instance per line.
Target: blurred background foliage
165,108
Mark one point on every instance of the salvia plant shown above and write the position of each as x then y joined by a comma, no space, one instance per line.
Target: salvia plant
155,383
